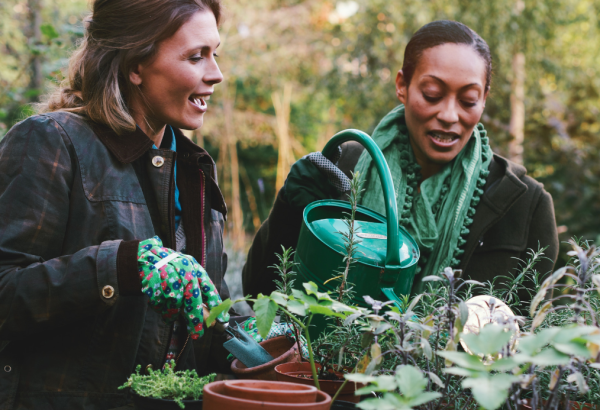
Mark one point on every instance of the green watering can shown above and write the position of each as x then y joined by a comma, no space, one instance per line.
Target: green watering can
386,259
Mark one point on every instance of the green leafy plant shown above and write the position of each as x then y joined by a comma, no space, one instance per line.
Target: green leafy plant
168,384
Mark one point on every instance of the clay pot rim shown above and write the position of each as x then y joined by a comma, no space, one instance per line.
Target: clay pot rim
322,398
289,352
305,388
317,366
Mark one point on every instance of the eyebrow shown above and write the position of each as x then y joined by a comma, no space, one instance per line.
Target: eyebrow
203,46
442,81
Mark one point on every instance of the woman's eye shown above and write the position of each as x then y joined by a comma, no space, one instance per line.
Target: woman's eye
215,55
196,58
431,98
469,103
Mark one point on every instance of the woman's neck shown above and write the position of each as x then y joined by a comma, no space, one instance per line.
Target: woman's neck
155,130
428,168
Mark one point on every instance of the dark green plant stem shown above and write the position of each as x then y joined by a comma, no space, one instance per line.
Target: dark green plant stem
337,393
311,357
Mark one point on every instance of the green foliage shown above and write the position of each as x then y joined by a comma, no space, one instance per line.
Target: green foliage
408,380
168,384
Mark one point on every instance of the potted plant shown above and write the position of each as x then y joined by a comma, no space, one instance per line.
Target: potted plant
167,389
549,365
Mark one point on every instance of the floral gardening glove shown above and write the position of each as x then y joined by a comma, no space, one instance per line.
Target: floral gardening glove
176,283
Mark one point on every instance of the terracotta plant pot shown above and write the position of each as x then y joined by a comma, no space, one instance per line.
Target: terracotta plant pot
261,390
216,397
151,403
281,348
299,373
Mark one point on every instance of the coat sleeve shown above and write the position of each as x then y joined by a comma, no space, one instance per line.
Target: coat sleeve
40,288
543,233
281,228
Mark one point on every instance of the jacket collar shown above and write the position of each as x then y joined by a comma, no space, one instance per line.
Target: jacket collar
504,185
131,146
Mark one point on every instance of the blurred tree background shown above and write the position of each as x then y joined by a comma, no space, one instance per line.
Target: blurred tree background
298,71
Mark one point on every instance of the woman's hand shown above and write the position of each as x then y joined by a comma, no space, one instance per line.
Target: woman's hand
175,283
314,177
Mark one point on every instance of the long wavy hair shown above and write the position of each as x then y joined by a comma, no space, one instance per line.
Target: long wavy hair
119,35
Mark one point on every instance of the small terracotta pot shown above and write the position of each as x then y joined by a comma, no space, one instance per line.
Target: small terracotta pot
216,397
290,372
262,390
281,348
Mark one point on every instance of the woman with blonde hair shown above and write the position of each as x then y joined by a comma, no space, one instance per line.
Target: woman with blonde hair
111,220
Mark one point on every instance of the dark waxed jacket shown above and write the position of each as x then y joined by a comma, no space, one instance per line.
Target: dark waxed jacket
515,214
75,199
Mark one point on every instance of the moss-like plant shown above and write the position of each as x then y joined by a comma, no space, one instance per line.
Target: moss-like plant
168,384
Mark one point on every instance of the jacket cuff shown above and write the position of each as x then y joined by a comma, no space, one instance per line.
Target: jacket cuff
128,276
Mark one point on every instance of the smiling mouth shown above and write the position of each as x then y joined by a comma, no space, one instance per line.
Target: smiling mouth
443,137
199,101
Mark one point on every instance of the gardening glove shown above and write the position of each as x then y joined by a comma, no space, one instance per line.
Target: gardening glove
176,283
314,177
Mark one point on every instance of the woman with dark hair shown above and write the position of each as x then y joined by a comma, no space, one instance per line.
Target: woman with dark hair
466,207
111,222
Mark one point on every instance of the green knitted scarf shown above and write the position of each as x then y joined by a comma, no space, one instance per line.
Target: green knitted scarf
438,216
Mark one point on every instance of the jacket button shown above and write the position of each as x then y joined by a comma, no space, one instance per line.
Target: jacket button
7,368
158,161
108,291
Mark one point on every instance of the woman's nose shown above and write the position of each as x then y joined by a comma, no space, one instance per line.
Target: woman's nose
213,74
448,112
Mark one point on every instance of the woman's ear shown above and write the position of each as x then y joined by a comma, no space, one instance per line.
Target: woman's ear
135,75
401,87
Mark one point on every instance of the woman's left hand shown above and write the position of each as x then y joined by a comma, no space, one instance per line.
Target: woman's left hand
176,283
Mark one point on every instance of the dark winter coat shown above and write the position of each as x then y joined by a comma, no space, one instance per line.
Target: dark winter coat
75,199
515,214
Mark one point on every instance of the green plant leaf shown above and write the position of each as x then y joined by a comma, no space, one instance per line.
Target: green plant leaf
366,339
380,384
325,311
490,392
265,310
217,310
382,328
361,378
541,315
49,31
426,348
279,298
547,357
463,310
573,349
532,344
465,360
436,379
459,371
504,365
410,380
490,340
350,319
296,307
423,398
311,288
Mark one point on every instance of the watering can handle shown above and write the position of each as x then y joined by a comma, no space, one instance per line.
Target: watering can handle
394,243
